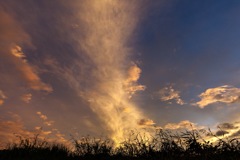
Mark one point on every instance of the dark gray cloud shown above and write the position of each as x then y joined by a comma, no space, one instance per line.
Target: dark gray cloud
227,126
221,133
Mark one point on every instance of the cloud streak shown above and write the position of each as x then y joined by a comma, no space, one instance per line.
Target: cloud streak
225,94
29,73
15,70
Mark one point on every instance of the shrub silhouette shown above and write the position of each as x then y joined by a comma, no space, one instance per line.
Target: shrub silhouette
163,145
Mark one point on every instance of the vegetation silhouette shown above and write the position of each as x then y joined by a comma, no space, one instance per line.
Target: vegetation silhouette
164,145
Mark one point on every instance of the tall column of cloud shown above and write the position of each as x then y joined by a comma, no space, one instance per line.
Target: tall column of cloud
110,77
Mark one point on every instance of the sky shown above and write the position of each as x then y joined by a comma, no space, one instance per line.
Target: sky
105,67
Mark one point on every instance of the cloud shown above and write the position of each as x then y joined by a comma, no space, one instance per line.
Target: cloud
14,127
133,74
146,122
42,116
102,73
185,124
227,126
19,70
130,84
169,94
224,94
28,72
45,119
221,133
236,134
17,52
26,97
2,97
11,127
228,129
11,32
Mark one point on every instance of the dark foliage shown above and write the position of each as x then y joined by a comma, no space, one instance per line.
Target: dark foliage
163,145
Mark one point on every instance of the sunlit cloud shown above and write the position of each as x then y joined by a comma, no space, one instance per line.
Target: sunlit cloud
11,33
26,97
45,119
224,94
17,52
2,97
107,78
169,94
185,124
131,85
223,130
14,128
11,127
236,134
146,122
12,37
29,73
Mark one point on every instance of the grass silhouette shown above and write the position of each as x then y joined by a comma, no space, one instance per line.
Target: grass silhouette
163,145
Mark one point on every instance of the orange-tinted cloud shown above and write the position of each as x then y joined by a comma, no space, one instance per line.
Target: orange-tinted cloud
106,79
26,97
13,128
2,97
224,94
28,72
45,119
185,124
130,84
12,37
146,122
9,129
168,94
11,32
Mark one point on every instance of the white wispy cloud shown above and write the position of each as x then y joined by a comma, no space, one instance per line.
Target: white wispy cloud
224,94
169,94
